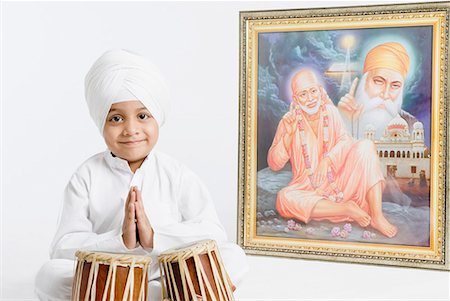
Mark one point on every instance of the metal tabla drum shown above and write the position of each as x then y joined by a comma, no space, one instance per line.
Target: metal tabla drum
194,272
110,276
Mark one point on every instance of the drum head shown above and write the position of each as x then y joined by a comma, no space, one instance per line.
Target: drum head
197,247
107,258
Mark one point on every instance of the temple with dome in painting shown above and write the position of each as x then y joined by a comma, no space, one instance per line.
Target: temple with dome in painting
403,154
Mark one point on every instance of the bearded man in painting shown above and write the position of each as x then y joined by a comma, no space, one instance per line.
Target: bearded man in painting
379,96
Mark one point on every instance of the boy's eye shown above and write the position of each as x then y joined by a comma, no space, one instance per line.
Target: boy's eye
143,116
116,119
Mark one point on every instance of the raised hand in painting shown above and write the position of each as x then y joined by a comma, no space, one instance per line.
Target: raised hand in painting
348,105
129,223
289,121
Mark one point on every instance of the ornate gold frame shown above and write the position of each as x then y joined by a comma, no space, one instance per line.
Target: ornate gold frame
251,23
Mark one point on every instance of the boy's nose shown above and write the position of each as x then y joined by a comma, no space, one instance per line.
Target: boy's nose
130,129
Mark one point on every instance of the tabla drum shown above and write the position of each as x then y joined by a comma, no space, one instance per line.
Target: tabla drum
110,277
194,272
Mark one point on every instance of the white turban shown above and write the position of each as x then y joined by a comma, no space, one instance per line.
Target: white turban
120,75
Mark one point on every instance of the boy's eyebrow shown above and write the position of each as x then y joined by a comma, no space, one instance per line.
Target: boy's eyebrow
114,109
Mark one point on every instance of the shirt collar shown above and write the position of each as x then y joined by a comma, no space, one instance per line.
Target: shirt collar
121,164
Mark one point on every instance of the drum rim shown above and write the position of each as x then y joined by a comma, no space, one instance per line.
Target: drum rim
196,247
108,258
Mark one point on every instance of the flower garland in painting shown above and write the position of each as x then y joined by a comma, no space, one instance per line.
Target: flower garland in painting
338,195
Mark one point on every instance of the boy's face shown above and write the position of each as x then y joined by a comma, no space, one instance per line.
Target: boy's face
130,131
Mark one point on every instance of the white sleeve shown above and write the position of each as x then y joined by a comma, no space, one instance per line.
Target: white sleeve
199,218
75,230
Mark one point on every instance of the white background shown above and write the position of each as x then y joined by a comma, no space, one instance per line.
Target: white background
46,133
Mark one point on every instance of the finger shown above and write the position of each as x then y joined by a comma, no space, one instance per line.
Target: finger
131,206
133,196
138,212
131,213
344,105
350,100
353,87
138,223
292,118
145,233
142,209
142,220
128,198
140,202
291,107
288,120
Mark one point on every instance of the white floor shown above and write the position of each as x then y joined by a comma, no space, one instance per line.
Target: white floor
291,279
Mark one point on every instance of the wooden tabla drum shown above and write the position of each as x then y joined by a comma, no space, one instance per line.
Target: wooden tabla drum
110,277
194,272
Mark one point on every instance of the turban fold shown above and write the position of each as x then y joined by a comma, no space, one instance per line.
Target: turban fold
120,75
390,55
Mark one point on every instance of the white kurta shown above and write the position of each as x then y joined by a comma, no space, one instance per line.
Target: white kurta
176,202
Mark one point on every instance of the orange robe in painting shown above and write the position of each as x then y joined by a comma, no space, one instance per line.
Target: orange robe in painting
355,164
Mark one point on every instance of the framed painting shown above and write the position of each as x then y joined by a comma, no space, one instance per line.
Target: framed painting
343,137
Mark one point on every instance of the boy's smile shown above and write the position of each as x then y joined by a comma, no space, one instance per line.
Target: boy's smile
131,143
130,132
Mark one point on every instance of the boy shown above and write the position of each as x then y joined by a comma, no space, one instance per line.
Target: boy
130,198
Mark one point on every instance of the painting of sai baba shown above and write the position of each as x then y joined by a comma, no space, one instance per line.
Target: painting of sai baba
344,135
